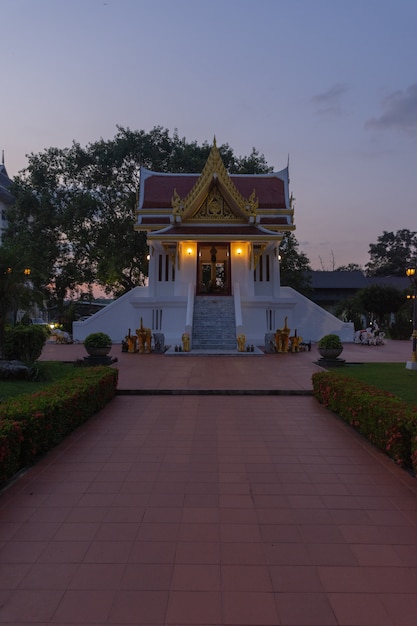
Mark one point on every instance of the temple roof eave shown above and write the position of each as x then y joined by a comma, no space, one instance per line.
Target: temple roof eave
233,233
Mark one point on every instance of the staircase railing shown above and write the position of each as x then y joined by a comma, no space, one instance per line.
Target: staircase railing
238,309
190,310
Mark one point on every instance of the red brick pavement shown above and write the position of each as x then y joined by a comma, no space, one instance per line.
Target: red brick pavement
214,510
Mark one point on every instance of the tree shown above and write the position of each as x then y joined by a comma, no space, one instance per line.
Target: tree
294,265
15,292
75,207
392,253
350,267
379,301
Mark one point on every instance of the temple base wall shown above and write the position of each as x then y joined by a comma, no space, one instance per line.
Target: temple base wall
259,316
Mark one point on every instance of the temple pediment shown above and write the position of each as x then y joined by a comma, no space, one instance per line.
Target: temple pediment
214,197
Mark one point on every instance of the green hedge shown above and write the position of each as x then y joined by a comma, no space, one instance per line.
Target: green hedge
32,424
384,419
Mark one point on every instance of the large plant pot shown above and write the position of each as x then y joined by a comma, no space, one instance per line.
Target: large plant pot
330,353
98,351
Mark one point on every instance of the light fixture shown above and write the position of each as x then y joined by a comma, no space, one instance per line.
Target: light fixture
148,257
411,273
239,251
189,251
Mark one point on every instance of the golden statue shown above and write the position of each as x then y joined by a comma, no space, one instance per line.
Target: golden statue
295,342
282,338
185,342
131,342
145,338
241,340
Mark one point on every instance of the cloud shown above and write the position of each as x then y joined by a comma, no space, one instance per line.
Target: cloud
329,102
400,112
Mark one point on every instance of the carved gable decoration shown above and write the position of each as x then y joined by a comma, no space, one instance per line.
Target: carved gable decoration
215,208
214,197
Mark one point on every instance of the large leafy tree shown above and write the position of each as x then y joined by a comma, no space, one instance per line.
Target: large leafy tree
294,265
378,301
392,253
16,291
75,207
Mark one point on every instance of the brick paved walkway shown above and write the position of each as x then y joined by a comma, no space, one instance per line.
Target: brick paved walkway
215,510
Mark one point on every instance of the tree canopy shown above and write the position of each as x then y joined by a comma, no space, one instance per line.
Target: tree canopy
294,265
392,253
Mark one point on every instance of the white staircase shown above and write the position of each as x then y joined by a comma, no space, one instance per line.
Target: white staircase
214,326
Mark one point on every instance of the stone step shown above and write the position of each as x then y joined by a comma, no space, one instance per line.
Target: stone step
214,326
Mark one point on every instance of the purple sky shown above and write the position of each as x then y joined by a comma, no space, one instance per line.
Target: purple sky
331,83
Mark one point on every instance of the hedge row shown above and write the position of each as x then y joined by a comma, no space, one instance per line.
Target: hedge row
384,419
32,424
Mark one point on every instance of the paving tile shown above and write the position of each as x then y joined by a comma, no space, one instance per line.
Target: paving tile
194,607
97,576
247,578
152,552
249,608
362,609
296,579
146,576
196,577
242,554
30,605
79,606
11,574
197,552
49,576
401,607
305,609
22,551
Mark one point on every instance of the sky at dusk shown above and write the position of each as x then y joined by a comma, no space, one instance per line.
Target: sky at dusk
331,83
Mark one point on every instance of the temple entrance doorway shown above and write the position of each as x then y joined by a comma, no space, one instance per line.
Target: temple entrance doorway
213,269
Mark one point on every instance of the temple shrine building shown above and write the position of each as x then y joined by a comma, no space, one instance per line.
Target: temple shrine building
214,259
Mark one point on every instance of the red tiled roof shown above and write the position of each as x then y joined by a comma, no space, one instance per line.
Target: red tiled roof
163,221
273,220
159,189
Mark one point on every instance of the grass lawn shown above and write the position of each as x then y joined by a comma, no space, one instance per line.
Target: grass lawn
392,377
48,372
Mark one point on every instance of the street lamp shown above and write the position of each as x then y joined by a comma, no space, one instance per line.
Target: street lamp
412,275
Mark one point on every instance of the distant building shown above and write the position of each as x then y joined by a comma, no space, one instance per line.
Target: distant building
6,198
331,288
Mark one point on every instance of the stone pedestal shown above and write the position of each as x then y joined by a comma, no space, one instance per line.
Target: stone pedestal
159,343
269,343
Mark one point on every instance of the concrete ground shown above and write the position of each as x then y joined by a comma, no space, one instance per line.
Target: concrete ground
212,509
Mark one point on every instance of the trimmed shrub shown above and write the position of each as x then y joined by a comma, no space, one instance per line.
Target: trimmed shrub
25,343
384,419
42,420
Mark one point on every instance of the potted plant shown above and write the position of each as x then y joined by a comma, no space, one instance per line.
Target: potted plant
97,344
330,346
